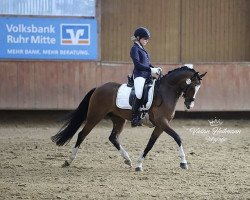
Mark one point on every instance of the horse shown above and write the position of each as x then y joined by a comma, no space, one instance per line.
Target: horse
182,81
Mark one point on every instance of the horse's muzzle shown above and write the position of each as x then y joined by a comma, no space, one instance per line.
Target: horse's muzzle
189,103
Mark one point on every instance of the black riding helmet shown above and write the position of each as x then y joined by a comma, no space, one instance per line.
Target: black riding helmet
142,33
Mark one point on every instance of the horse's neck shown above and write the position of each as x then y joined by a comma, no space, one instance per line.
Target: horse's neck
170,92
167,97
171,85
177,78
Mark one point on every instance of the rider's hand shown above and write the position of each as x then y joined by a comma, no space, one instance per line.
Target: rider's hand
155,72
160,70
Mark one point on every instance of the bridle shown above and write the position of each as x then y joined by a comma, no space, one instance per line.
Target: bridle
187,99
184,88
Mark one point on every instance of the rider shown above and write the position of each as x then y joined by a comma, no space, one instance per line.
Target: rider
142,69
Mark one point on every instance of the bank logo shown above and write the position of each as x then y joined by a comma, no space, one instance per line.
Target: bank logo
75,34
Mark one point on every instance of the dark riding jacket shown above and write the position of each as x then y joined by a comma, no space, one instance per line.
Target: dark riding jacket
141,62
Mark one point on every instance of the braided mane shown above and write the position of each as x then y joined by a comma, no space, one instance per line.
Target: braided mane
183,68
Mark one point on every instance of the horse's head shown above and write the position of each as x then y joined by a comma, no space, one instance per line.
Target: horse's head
190,87
187,82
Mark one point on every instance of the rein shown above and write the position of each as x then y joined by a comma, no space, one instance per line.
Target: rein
157,88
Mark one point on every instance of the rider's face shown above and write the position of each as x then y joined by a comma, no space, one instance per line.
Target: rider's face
143,41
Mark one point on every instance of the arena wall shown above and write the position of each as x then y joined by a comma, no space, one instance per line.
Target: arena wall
62,85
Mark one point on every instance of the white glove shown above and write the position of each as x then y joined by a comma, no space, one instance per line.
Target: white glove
155,72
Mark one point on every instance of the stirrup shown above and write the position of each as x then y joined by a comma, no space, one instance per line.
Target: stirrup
136,122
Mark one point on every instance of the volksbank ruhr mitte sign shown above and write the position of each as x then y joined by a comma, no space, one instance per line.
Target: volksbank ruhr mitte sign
48,38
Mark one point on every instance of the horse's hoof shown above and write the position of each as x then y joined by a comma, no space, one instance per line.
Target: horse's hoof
65,164
184,165
128,162
138,169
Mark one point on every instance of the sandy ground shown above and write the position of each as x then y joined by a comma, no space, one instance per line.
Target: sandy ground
219,163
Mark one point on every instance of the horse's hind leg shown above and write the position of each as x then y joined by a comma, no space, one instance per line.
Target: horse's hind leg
81,136
90,124
118,124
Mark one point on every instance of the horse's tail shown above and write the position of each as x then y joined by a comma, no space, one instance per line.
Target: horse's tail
74,121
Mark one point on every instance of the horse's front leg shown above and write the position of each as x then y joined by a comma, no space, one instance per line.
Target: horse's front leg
154,136
172,133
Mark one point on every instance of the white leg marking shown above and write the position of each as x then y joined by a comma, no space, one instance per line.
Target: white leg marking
73,154
140,161
182,155
124,153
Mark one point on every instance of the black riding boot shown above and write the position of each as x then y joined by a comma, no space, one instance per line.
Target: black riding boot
136,120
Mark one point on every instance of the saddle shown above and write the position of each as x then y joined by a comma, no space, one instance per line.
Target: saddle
126,95
132,96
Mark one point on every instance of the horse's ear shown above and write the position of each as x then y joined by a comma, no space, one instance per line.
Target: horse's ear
202,75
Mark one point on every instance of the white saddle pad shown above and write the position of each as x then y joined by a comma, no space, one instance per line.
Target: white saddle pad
122,98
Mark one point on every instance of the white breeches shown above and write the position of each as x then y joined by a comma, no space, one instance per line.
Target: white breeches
139,84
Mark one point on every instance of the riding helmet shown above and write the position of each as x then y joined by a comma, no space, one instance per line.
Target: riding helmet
142,32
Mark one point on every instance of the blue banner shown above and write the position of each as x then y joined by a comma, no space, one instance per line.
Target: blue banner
48,38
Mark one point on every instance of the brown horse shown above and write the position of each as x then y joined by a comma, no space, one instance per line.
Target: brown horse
100,102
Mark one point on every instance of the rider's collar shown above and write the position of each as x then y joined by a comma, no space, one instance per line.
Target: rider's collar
139,44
